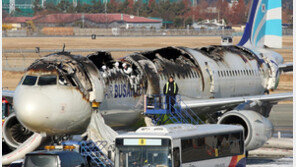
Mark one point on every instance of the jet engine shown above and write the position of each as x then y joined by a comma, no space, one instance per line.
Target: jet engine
14,132
258,129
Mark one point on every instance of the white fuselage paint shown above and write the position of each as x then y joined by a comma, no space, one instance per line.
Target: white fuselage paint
63,110
232,78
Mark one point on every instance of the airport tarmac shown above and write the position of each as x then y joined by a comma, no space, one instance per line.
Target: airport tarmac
270,162
281,117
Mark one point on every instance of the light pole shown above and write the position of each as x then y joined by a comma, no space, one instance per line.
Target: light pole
105,1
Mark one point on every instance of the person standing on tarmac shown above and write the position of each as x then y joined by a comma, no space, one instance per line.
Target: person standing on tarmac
170,90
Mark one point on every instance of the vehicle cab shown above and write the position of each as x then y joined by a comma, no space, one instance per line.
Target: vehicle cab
55,156
6,109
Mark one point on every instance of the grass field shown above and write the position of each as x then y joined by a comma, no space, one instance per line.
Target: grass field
11,79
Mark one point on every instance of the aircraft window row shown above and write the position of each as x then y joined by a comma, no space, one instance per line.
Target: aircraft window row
191,74
43,80
202,148
225,73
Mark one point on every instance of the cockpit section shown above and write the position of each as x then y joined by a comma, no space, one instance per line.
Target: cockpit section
69,70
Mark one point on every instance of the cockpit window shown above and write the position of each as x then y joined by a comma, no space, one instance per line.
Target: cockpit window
47,80
30,80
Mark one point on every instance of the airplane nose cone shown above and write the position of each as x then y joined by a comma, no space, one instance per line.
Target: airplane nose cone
32,109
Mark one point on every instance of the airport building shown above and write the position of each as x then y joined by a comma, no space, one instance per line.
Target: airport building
98,20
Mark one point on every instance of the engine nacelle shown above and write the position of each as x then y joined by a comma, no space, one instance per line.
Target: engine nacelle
14,133
258,129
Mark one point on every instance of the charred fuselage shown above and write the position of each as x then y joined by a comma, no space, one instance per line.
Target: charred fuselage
57,92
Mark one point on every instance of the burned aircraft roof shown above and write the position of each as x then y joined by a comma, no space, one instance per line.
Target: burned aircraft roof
74,68
217,52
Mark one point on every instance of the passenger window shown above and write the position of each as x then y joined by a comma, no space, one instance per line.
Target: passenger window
30,80
191,74
47,80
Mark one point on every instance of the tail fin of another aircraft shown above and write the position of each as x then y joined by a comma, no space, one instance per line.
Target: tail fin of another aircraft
264,26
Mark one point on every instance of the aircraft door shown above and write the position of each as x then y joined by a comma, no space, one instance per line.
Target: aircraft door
213,87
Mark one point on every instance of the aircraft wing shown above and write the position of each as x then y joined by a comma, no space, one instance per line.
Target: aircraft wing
202,105
286,67
8,95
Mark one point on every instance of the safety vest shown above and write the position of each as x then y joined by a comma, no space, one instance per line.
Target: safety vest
167,88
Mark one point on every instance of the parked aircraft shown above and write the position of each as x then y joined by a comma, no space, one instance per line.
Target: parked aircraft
224,84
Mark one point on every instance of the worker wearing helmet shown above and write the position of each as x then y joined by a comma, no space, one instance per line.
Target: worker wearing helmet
104,71
170,90
127,69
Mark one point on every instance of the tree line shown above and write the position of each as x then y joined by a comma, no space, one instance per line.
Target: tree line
177,14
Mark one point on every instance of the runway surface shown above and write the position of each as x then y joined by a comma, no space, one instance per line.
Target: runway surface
270,162
281,117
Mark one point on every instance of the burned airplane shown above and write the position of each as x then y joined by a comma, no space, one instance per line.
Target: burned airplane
223,84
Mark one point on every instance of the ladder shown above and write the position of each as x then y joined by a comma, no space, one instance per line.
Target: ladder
93,152
160,112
